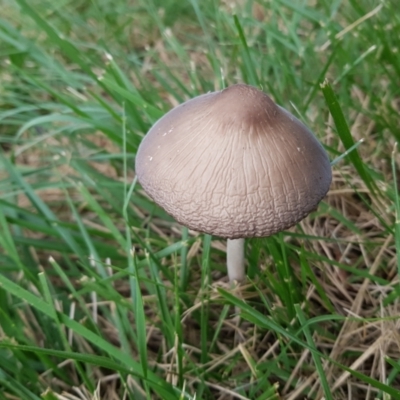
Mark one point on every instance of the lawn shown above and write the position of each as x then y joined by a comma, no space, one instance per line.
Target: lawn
103,295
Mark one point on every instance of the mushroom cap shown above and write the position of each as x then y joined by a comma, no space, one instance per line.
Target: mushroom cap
234,164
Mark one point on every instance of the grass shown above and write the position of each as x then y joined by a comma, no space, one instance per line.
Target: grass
103,295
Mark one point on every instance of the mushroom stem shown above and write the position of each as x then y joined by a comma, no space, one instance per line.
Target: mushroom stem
235,260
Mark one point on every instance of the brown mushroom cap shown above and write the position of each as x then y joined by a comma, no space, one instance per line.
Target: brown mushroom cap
233,164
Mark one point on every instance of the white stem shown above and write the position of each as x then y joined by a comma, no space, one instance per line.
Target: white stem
235,260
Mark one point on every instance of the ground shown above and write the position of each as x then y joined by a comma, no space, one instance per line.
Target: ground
103,295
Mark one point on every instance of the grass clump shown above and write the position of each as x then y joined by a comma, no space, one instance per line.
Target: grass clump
103,295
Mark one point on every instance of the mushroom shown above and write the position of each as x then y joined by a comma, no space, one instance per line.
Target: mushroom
233,164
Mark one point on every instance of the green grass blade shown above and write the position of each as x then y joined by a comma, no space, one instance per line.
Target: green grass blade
316,357
397,207
249,66
345,134
205,279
